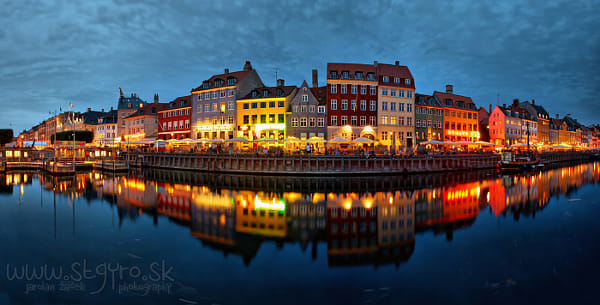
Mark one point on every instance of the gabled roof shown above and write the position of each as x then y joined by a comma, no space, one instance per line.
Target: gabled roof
133,99
176,103
442,96
427,101
394,71
272,92
238,76
147,110
320,94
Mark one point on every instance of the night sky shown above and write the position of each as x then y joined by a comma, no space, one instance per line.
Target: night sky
56,52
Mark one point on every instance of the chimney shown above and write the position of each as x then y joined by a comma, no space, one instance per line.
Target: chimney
226,70
156,98
516,102
315,78
490,108
247,66
375,63
280,82
557,116
111,108
503,105
397,62
532,101
449,89
89,109
102,109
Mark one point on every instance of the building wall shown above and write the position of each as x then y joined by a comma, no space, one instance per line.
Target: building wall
174,123
296,115
424,131
250,121
335,123
398,123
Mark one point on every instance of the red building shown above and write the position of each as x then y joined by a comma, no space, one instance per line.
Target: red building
352,100
174,122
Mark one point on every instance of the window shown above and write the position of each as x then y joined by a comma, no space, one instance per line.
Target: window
246,106
409,107
363,89
246,119
469,116
401,121
372,106
263,104
334,89
353,104
343,89
303,108
164,126
311,122
363,105
294,122
353,120
396,80
392,92
384,106
386,79
372,120
384,121
392,120
384,91
271,118
408,121
353,89
321,109
392,106
271,104
230,105
363,120
320,122
305,97
333,104
409,94
373,91
311,108
254,105
215,107
214,94
280,104
344,104
333,120
344,120
407,81
230,119
170,125
206,107
345,75
263,118
400,106
303,122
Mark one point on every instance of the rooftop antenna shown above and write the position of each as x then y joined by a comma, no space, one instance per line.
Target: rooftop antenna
276,70
498,101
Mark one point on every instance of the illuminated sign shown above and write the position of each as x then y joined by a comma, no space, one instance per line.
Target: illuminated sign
278,205
259,127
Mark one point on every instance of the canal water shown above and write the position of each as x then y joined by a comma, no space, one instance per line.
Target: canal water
163,237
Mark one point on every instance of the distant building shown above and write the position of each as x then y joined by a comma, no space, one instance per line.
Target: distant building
174,122
214,102
460,116
261,113
505,126
126,107
143,124
429,118
543,120
106,130
307,114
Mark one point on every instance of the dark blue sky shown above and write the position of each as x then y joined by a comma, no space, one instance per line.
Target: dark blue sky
82,52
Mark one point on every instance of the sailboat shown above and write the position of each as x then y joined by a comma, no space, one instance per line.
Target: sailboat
511,162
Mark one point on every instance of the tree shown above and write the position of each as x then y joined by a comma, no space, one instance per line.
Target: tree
80,135
6,136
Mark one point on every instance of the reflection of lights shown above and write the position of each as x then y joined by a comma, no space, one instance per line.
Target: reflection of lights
391,200
488,197
278,205
22,189
119,189
222,220
369,203
348,204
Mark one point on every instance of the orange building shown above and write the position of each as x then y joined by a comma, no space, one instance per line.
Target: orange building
460,116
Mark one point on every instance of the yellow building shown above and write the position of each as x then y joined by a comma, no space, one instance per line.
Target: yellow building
260,214
262,112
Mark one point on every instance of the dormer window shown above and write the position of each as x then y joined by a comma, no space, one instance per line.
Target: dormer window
266,93
358,75
230,81
153,110
460,104
333,74
370,76
407,81
181,103
448,102
345,75
396,80
279,92
205,85
386,79
218,82
254,93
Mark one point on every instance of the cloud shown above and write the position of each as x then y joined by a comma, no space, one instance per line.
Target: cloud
53,52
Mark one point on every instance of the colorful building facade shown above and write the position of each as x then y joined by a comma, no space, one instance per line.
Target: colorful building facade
174,122
429,118
460,116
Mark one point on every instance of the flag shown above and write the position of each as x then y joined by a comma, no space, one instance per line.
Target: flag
71,104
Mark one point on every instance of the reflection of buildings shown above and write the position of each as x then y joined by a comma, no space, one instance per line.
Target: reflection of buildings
213,216
175,201
307,218
260,214
370,229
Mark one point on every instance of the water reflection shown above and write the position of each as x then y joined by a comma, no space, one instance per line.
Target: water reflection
360,226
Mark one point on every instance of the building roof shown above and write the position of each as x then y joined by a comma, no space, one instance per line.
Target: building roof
394,71
210,83
455,98
351,69
177,103
426,101
150,109
320,94
272,92
132,102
